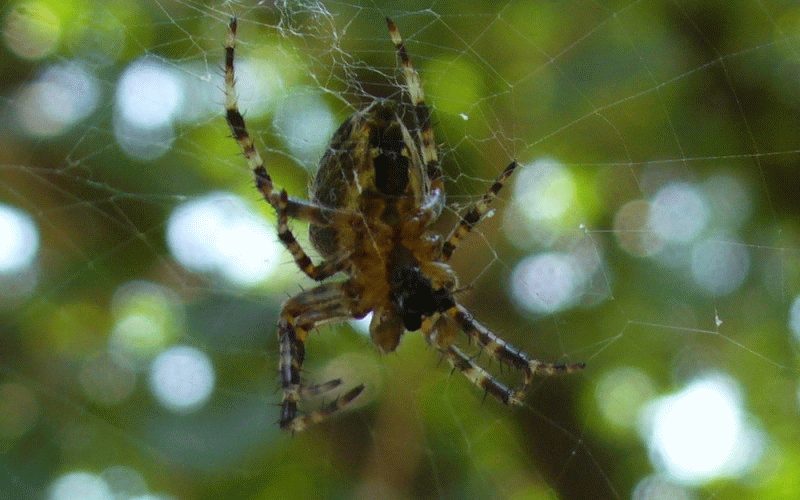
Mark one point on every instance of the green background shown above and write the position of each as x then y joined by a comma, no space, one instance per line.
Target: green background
613,90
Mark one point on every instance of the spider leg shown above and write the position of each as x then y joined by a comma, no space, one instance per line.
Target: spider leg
438,336
475,213
479,376
422,115
506,353
300,314
284,205
316,272
236,120
422,121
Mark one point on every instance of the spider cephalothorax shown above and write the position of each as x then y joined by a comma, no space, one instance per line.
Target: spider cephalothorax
378,189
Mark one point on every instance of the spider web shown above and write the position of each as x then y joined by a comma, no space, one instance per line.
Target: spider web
651,232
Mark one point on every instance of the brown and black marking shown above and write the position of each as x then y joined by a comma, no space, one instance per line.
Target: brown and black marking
378,189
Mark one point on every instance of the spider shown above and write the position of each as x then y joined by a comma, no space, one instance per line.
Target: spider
378,189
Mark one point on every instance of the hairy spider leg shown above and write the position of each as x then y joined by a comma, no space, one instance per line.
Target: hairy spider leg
280,201
496,347
422,115
506,353
428,149
317,272
478,375
236,120
475,213
443,342
301,313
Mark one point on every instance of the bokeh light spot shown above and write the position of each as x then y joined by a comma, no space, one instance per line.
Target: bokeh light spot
794,318
678,213
632,229
147,317
19,240
148,99
544,190
125,483
701,433
79,486
658,487
720,267
218,233
62,96
31,30
182,379
148,94
306,125
260,84
546,283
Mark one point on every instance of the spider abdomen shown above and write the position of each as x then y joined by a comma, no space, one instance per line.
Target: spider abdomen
371,168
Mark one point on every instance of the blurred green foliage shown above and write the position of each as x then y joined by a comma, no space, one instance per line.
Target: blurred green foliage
622,93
